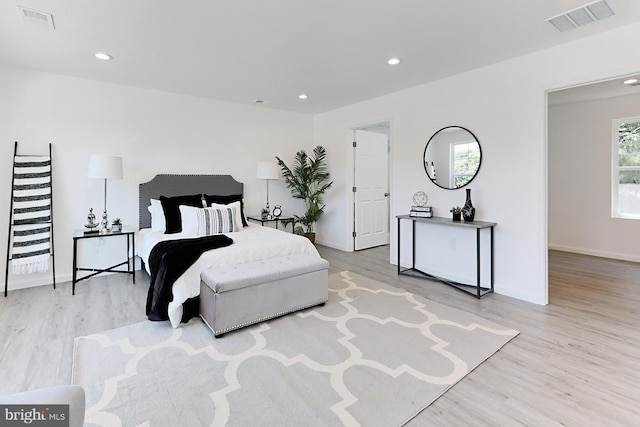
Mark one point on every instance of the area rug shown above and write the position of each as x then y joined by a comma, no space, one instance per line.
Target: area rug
374,355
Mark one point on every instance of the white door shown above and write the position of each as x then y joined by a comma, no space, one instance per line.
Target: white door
371,189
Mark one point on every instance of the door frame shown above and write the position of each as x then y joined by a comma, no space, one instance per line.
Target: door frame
352,175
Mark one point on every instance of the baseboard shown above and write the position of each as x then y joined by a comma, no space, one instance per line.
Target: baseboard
332,245
593,252
520,295
46,281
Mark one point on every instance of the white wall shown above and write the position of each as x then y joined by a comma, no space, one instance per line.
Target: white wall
154,132
580,180
504,105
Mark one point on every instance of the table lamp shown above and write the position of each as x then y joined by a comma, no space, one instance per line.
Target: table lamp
105,167
267,171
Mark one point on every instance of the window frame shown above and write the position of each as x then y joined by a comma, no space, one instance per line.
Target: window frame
616,168
452,161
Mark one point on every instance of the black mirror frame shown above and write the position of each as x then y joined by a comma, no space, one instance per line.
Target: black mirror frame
424,155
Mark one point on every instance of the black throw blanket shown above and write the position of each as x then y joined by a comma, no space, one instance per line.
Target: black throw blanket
168,261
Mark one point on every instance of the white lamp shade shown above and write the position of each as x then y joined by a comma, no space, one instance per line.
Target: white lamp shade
267,170
105,167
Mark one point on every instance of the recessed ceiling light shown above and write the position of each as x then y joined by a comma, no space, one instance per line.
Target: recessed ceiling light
630,81
393,61
303,96
103,56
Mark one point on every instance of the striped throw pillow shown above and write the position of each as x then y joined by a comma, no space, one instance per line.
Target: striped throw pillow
216,221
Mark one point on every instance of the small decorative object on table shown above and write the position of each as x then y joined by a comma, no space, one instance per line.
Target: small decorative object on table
420,208
265,214
421,211
456,211
468,211
116,226
277,211
91,223
420,198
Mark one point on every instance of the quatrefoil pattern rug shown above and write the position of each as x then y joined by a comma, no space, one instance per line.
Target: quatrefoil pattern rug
374,355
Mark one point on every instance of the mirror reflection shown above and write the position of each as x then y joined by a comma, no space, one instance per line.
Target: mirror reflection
452,157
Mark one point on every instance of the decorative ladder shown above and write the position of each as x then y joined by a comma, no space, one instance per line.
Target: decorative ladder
30,217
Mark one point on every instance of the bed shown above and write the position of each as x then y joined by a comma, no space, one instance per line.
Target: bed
251,243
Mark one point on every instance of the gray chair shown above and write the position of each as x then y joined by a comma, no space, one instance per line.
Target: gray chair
73,395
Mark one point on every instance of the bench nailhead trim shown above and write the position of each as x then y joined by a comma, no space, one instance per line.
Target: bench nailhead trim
262,319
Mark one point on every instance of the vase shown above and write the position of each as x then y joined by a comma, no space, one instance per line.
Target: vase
468,211
456,216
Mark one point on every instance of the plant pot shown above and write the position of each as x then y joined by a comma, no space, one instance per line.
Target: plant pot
311,237
456,216
116,228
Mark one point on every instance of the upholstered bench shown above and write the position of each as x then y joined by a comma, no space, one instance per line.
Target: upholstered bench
243,294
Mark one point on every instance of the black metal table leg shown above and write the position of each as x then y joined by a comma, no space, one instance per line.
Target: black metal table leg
478,262
74,274
399,246
133,257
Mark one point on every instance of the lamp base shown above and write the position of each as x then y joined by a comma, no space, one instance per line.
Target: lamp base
104,224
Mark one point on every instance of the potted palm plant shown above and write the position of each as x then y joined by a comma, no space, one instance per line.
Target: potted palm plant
308,180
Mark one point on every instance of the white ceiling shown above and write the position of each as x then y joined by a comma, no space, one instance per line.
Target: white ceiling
333,50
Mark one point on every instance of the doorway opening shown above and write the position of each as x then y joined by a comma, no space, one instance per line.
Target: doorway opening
582,135
371,147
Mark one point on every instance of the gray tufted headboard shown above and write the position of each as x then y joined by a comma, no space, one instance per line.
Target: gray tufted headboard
178,185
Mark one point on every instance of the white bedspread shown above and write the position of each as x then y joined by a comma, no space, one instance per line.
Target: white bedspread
253,243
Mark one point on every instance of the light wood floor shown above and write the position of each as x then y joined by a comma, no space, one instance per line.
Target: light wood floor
576,361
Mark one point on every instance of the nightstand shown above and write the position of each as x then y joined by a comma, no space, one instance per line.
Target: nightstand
284,220
79,235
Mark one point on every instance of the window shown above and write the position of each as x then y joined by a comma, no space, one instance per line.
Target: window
625,170
465,160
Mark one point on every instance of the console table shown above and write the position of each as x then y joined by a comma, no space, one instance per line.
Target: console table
476,290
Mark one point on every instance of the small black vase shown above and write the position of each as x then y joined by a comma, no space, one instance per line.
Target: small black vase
468,211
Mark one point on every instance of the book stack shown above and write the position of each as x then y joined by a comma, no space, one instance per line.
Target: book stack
421,211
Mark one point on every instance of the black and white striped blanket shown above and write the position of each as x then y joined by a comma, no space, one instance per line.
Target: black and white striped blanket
31,247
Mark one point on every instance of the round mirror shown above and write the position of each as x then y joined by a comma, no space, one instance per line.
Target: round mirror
452,157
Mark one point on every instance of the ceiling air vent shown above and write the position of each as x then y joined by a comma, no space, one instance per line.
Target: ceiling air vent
582,16
36,17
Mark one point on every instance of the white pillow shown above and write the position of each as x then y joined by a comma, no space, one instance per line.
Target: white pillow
158,222
235,206
216,221
208,221
189,216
